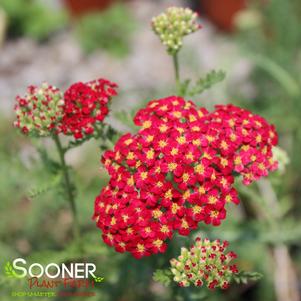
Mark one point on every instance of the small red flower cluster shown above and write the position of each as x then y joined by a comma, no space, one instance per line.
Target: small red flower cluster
205,263
45,111
85,105
246,140
177,171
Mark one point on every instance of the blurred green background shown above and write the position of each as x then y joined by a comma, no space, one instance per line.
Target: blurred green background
258,44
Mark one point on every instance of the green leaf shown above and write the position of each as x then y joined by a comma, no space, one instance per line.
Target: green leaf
245,277
163,276
205,83
52,166
36,192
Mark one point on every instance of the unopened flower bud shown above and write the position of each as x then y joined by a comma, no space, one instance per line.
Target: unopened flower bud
173,25
210,267
39,111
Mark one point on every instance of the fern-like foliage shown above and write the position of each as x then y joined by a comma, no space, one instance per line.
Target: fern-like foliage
245,277
51,166
203,83
163,276
53,184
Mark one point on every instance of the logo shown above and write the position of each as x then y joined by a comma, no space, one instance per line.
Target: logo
53,276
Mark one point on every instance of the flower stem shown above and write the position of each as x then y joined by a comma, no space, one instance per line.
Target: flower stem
68,186
177,71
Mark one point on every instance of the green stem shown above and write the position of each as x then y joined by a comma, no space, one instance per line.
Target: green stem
68,185
177,71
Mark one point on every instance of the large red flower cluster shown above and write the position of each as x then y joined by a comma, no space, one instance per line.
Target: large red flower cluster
177,171
85,105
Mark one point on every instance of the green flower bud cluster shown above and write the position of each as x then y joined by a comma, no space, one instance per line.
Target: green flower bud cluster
173,25
39,111
206,263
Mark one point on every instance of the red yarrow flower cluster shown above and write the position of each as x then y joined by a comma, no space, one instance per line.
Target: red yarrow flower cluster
205,263
86,105
177,171
246,139
79,112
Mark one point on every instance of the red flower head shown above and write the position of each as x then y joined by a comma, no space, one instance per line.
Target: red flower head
86,105
174,173
246,140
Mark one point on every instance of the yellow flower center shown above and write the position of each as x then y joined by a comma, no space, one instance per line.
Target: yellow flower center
140,248
177,114
163,128
195,128
228,198
157,213
231,123
129,231
130,181
125,217
237,161
196,142
214,213
174,208
184,224
192,118
148,230
158,243
212,199
162,143
261,166
130,156
172,166
144,175
233,137
200,168
185,177
150,138
224,162
186,195
202,190
174,151
164,229
164,108
146,124
168,194
189,156
210,138
128,141
224,145
150,154
181,140
196,209
113,221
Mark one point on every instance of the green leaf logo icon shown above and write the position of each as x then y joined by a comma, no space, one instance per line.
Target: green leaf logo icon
10,272
99,279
